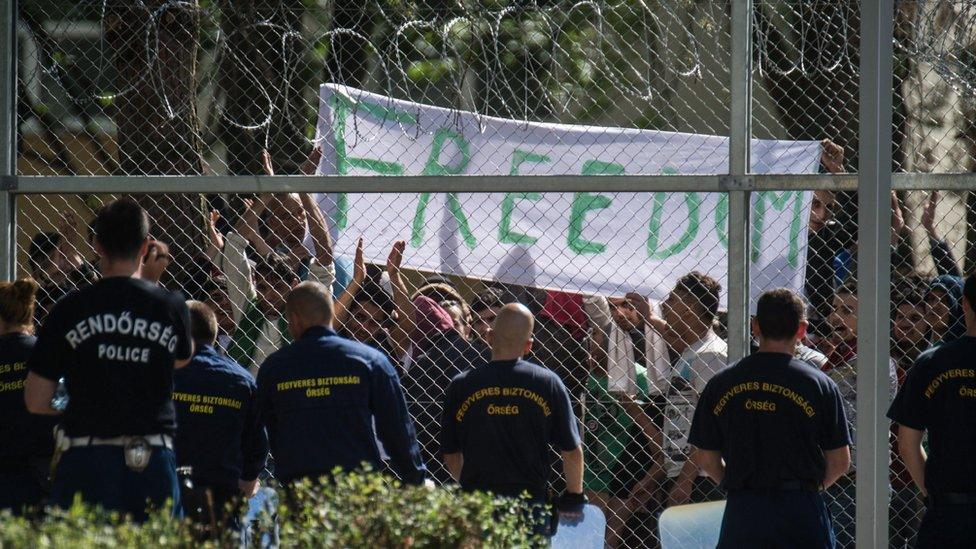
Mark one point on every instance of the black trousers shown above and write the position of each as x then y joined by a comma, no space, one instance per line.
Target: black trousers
766,519
947,526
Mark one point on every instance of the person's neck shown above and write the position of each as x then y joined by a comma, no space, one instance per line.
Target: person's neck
317,326
119,267
971,328
782,347
692,333
504,357
7,329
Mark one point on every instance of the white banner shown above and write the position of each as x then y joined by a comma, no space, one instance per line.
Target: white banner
591,242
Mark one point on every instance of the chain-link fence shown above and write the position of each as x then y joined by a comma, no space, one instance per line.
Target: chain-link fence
639,250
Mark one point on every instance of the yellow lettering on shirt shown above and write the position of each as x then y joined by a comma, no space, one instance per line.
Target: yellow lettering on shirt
12,386
317,382
318,392
764,387
201,409
196,399
966,391
12,367
760,405
509,392
946,375
510,410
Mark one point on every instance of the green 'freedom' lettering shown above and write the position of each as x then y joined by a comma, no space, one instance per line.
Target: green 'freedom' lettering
586,202
505,233
341,106
693,203
434,167
779,202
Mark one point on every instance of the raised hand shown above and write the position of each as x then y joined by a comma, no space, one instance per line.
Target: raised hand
312,163
832,156
359,264
928,214
394,261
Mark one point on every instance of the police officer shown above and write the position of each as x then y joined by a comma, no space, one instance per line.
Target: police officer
219,437
319,398
26,440
500,419
116,344
939,398
779,426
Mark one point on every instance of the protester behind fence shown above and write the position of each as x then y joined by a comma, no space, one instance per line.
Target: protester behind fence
686,323
258,306
116,344
944,312
909,338
842,369
771,430
484,309
618,429
219,437
500,419
936,401
57,261
26,440
325,400
439,353
377,311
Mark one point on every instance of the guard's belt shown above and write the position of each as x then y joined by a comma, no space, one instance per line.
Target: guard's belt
161,441
951,498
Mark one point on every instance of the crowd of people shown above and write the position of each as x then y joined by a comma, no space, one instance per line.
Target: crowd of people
261,310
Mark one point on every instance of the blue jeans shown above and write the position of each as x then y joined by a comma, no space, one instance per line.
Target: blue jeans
99,474
794,519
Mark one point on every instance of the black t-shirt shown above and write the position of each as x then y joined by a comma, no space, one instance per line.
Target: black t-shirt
772,417
502,416
115,343
939,396
22,435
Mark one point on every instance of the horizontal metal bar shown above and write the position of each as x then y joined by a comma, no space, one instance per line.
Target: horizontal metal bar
414,184
471,183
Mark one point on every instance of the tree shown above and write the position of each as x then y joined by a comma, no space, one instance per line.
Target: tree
154,44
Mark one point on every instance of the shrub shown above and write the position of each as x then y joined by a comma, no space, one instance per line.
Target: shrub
354,510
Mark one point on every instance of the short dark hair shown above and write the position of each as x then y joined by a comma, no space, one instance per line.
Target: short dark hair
487,299
372,292
847,288
203,323
704,289
121,227
779,314
41,248
274,269
969,290
908,291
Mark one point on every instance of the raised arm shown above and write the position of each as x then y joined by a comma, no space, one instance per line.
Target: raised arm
247,224
348,295
215,240
401,300
945,262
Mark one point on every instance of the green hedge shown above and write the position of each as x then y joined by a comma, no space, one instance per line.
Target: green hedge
356,510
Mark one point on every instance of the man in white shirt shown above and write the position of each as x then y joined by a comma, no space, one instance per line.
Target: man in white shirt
688,315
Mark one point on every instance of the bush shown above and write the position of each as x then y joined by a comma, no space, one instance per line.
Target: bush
354,510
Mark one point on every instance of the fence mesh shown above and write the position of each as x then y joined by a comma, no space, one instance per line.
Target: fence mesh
191,87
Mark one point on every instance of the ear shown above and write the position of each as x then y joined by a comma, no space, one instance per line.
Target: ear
967,307
490,336
801,332
756,332
528,347
144,249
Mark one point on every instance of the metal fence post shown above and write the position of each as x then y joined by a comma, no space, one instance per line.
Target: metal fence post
740,132
873,271
8,133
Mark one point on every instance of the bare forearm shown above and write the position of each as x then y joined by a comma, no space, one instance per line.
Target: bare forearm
319,230
709,461
454,463
912,454
573,470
